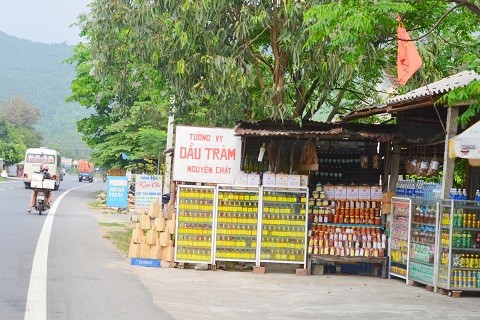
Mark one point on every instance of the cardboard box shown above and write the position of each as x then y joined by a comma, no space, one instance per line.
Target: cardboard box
387,202
241,179
352,193
329,190
281,179
268,179
38,182
376,193
340,192
304,180
253,179
364,193
294,180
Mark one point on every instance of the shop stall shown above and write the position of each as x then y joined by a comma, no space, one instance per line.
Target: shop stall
343,168
432,225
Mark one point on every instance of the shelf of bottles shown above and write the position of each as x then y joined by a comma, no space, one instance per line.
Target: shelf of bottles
236,224
399,239
423,234
194,232
459,245
344,228
284,225
347,161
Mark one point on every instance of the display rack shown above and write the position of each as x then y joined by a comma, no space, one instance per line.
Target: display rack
236,224
422,242
283,224
399,237
459,246
195,221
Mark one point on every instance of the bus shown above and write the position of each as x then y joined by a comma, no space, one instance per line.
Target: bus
35,157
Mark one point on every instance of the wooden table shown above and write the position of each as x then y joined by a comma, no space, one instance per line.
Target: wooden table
336,260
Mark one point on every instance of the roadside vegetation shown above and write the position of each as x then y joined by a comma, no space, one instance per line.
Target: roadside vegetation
118,233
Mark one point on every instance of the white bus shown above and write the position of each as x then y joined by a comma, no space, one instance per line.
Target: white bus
35,157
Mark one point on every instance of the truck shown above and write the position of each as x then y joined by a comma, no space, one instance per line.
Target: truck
85,171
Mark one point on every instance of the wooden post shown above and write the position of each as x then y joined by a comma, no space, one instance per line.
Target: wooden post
396,156
448,164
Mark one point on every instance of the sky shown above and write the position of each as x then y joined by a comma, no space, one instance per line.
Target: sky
46,21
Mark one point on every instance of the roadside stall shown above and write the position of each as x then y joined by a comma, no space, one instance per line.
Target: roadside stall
343,166
433,225
227,215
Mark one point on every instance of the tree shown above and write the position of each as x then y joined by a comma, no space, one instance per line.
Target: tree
286,60
446,37
12,147
17,121
114,128
19,113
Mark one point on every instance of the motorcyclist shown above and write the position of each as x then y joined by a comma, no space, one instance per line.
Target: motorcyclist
33,197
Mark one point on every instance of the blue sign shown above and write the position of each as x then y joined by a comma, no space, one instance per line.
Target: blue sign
145,262
117,191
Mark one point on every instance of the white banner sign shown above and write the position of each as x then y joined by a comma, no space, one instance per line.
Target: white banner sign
209,155
467,144
148,189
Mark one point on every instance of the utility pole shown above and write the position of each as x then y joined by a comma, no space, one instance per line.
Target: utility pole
168,157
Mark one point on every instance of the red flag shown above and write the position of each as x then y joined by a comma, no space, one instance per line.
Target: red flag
408,59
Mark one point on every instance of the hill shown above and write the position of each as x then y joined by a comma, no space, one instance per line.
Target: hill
37,72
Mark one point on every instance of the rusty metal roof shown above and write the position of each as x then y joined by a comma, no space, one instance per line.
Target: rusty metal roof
309,129
445,85
421,97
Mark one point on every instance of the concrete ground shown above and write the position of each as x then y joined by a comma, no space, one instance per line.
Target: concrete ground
190,294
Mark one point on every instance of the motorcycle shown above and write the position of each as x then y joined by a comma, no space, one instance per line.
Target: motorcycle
41,204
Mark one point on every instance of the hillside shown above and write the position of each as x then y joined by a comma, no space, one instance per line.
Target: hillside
36,72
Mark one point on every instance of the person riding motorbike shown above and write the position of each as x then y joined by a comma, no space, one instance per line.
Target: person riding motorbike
33,197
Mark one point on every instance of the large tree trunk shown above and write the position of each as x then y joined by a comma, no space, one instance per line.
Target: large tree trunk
280,60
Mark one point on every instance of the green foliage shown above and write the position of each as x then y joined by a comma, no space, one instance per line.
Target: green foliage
12,146
35,73
228,60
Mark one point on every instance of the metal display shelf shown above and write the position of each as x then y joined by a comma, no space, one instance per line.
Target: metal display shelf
459,249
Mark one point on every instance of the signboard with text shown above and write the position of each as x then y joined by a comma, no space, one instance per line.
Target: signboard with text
117,192
209,155
148,189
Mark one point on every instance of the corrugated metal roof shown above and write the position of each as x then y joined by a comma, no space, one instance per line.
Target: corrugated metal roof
328,130
421,95
445,85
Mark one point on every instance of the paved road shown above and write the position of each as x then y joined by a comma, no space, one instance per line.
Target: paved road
70,272
88,279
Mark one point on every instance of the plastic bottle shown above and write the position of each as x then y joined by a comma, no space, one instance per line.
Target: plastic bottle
477,195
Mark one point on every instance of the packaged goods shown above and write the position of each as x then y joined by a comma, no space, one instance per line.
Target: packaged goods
364,161
433,167
376,161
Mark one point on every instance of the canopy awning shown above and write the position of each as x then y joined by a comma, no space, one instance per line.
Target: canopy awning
467,144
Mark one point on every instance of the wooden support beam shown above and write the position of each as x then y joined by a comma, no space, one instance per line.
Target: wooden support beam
396,156
448,164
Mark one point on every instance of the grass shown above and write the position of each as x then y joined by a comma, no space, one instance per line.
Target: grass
95,204
112,224
120,238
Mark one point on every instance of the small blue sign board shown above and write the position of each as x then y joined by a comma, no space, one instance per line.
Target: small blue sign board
145,262
117,191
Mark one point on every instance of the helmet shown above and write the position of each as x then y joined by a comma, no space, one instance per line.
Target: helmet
44,167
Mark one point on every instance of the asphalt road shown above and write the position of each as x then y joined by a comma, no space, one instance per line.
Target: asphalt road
86,278
58,266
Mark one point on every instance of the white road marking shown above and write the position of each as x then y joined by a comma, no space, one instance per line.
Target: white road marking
36,308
